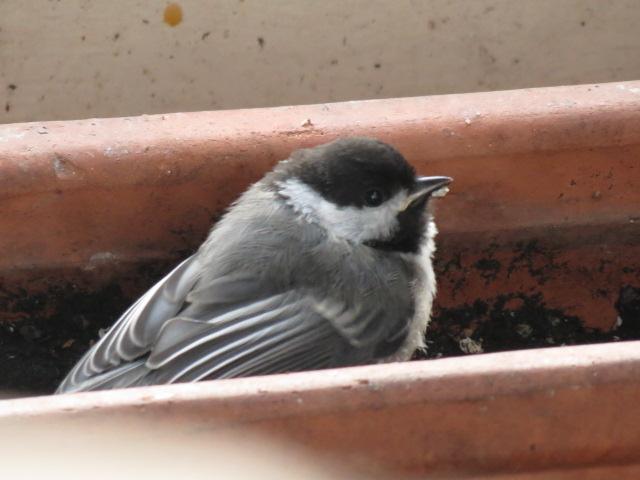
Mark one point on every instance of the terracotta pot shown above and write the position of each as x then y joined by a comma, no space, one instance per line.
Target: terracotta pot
539,245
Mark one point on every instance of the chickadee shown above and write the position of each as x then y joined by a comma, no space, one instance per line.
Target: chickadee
325,262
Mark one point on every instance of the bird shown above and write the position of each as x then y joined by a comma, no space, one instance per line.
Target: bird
325,262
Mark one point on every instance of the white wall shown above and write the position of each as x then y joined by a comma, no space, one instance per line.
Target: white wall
84,58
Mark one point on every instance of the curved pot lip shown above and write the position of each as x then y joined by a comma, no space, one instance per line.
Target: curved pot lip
64,155
520,372
524,411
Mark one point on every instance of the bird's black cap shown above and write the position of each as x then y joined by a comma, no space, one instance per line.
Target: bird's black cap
346,170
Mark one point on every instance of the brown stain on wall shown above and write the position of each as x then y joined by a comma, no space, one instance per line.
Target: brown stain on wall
172,14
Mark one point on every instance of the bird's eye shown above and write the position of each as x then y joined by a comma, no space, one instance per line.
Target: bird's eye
373,198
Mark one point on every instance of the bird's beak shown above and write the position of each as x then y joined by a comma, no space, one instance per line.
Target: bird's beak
426,186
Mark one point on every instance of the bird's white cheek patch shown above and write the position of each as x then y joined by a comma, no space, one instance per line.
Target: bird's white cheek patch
351,223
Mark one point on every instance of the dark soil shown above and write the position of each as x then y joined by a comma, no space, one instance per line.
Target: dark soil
54,329
36,352
519,322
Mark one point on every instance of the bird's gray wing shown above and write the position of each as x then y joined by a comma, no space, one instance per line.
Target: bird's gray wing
256,333
238,325
134,332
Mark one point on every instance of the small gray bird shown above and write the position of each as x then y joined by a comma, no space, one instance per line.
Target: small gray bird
325,262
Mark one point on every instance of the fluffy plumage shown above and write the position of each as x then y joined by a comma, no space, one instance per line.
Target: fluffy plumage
299,274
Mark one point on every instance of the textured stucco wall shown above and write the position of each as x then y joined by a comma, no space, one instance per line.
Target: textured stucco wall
85,58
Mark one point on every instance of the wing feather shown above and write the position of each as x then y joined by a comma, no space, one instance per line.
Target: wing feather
188,328
132,334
